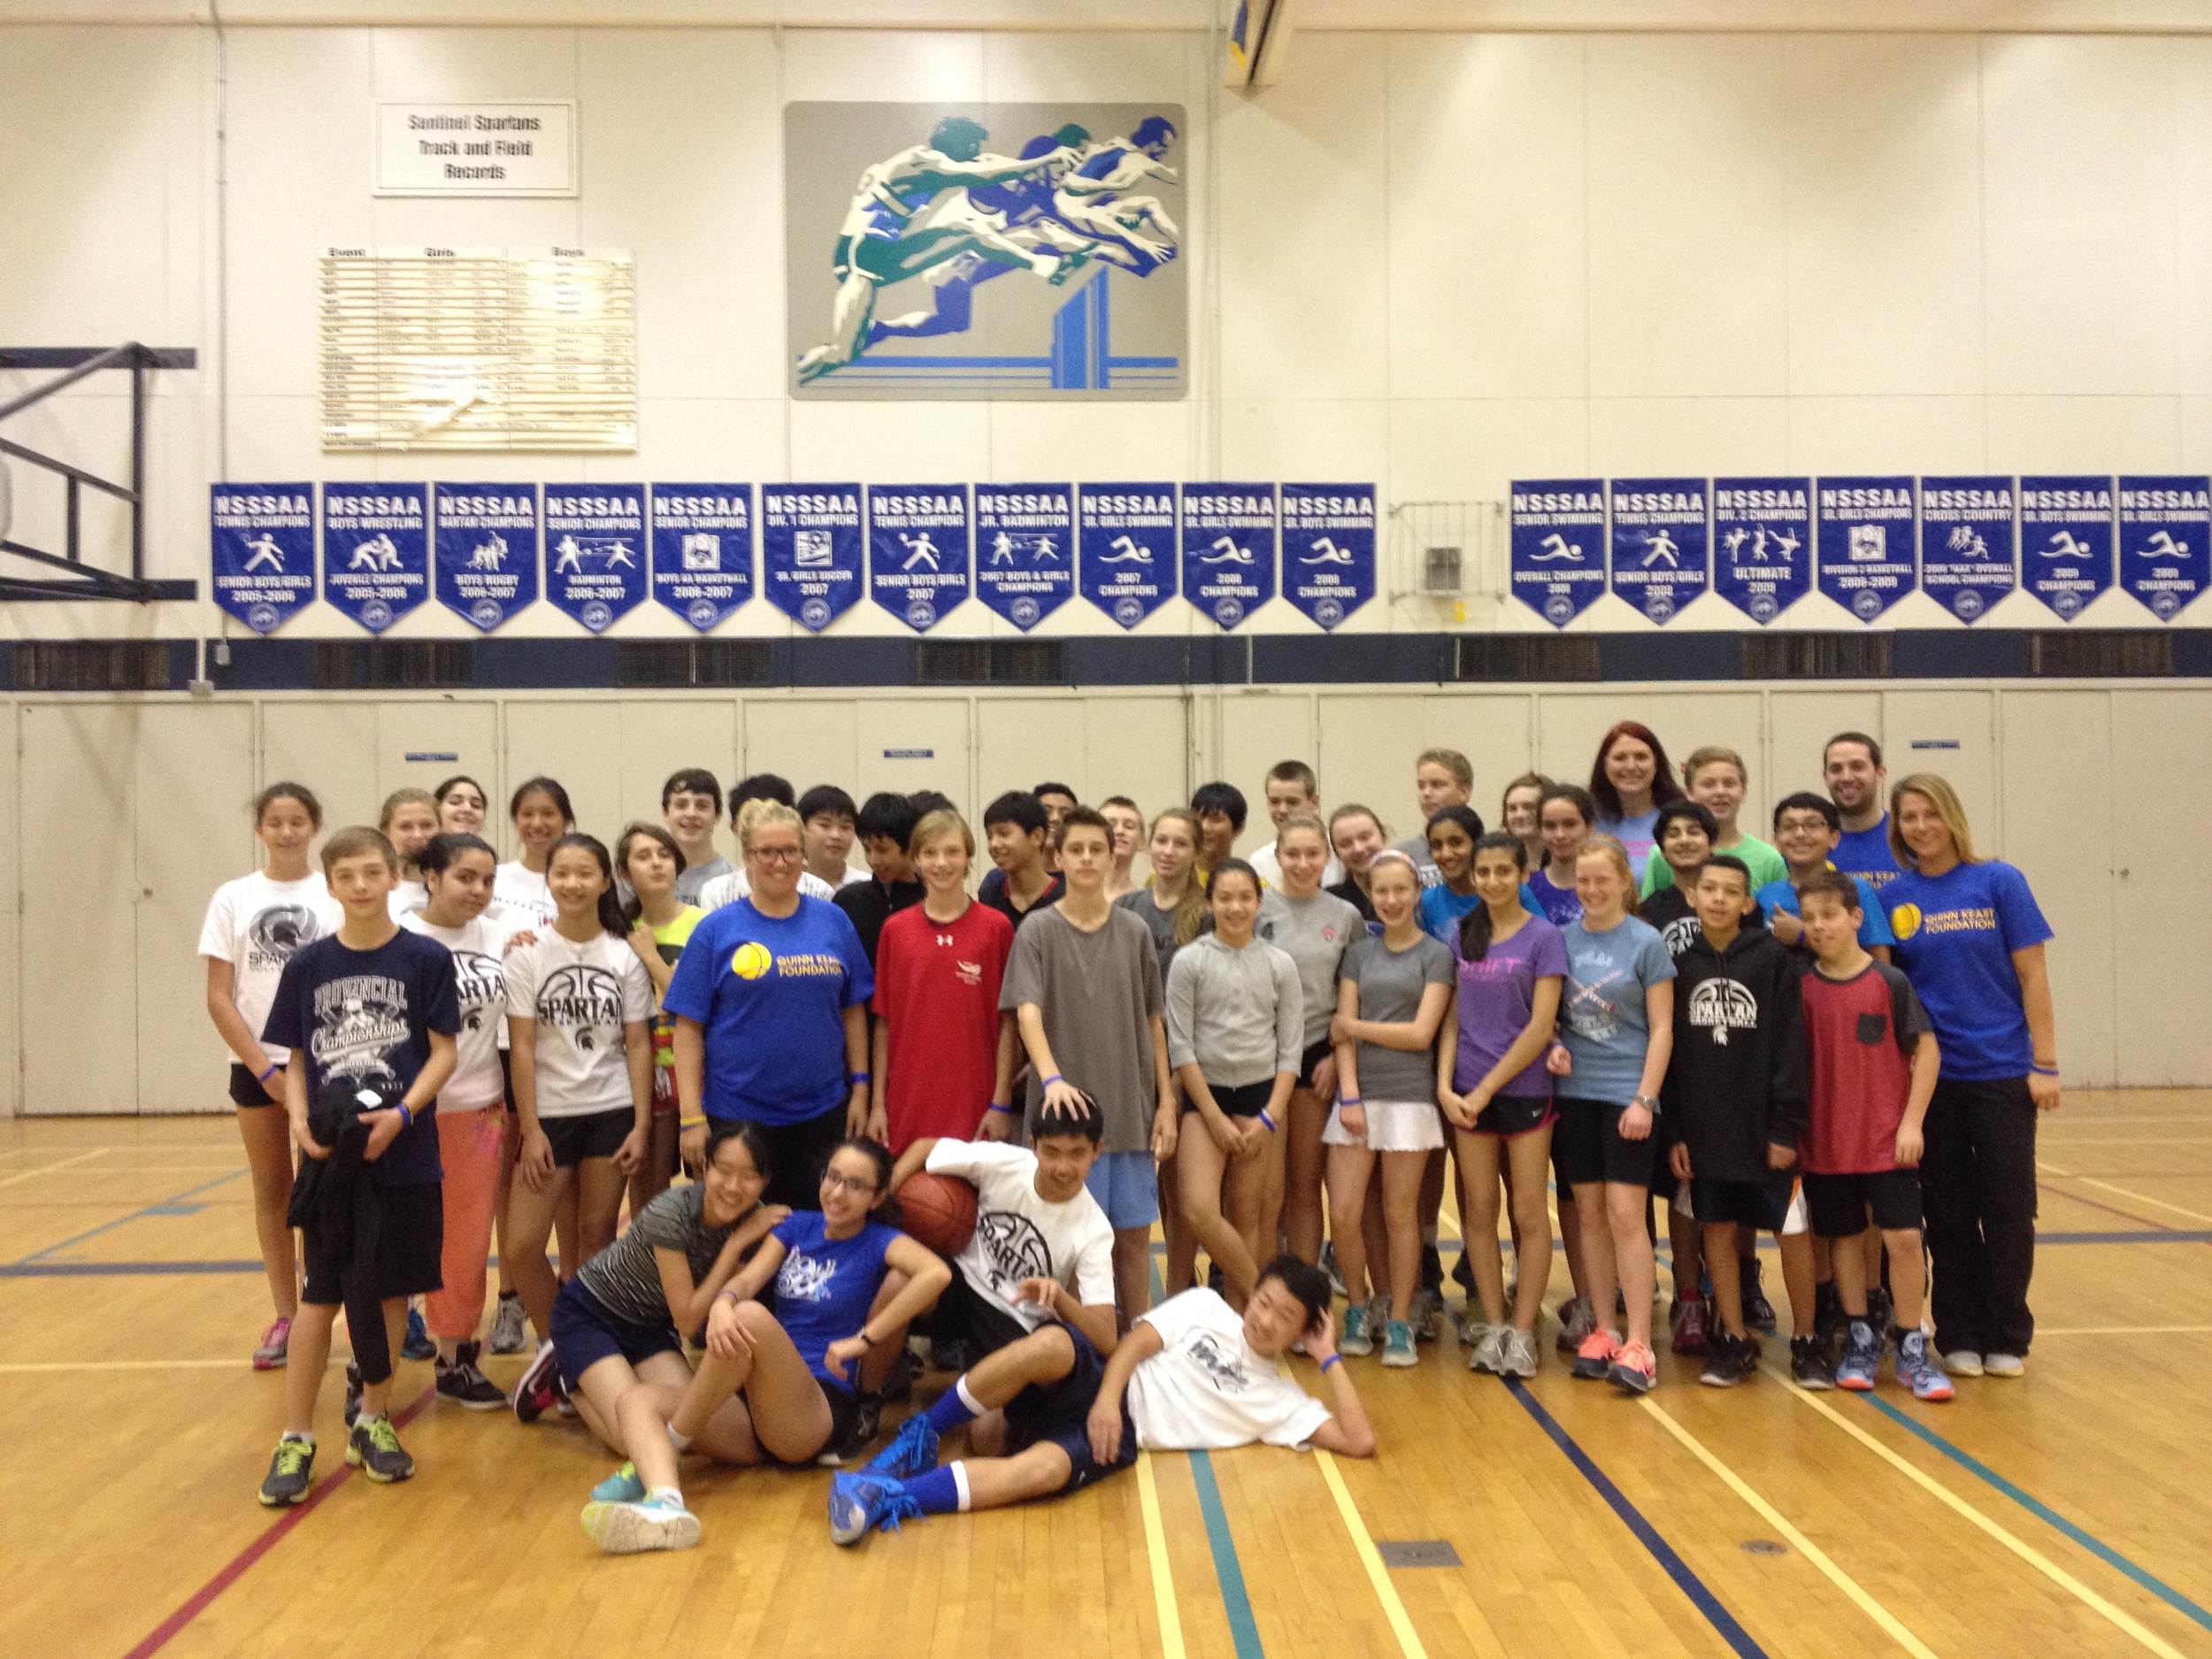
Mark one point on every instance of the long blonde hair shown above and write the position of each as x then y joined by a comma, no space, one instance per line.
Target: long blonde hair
1190,909
1935,788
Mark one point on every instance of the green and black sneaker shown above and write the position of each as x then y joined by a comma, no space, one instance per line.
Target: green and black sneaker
373,1449
291,1473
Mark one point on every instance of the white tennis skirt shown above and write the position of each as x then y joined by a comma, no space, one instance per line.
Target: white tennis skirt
1393,1126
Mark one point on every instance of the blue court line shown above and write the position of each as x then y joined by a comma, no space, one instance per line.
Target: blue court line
33,1268
1234,1602
1738,1639
161,1207
2042,1511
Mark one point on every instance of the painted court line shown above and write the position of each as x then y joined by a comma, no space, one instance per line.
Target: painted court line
1242,1631
1942,1493
1370,1558
35,1269
27,1368
2123,1330
1803,1545
2144,1198
1155,1548
153,1208
51,1168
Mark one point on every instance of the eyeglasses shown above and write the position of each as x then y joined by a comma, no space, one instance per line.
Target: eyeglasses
860,1187
775,855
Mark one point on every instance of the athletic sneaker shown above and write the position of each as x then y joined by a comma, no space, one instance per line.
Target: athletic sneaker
417,1344
622,1486
1694,1332
949,1354
659,1522
1398,1350
1728,1364
1633,1369
912,1450
539,1387
867,1418
2003,1365
1963,1362
1809,1368
508,1332
1328,1266
1861,1358
291,1473
1517,1355
858,1503
1357,1341
1917,1369
1758,1312
1424,1313
274,1342
898,1382
465,1386
373,1449
353,1393
1595,1354
1575,1324
1487,1352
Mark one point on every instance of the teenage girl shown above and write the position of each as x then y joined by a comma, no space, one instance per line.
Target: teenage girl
253,926
1235,1027
1452,834
456,872
1493,1085
650,860
1520,812
461,805
540,814
578,1008
1315,929
1390,1003
1564,815
1630,780
1356,834
1618,1020
1121,812
409,819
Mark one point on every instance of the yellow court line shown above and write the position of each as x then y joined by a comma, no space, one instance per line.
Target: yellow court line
2034,1558
2123,1330
2049,1168
2144,1198
1370,1558
2131,1140
36,1367
32,1175
1156,1546
1804,1546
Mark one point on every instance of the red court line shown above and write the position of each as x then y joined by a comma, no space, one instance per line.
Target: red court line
2076,1198
202,1598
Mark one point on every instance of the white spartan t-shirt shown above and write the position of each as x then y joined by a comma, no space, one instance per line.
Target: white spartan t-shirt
1206,1390
735,884
254,925
479,979
581,996
1019,1235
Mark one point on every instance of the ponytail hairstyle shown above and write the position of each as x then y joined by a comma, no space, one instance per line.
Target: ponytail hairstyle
1474,927
298,792
1232,867
610,916
635,907
552,791
1190,909
439,852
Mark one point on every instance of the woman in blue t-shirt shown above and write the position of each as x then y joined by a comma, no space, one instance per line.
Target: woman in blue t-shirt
1970,937
1631,780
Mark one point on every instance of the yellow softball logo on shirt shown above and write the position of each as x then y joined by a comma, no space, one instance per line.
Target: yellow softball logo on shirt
751,960
1904,921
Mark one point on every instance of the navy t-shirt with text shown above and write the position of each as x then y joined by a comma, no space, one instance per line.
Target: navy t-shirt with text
1955,936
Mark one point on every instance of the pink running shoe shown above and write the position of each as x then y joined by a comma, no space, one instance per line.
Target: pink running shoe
274,1340
1633,1369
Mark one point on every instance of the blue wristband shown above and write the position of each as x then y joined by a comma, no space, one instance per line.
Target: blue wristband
1054,1077
856,1077
1349,1100
996,1106
273,1068
406,1117
1333,1359
2042,1070
1264,1118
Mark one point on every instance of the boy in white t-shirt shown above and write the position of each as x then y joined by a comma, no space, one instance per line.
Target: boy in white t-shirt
1292,791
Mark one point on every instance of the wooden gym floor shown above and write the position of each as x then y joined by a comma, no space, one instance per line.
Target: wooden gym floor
2065,1514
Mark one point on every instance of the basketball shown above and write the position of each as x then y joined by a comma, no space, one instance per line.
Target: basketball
938,1210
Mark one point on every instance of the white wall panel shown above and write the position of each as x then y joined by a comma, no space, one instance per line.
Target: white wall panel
579,745
332,747
2162,886
1952,731
1245,735
808,741
917,743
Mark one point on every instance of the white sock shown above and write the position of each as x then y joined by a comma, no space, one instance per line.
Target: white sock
669,1492
968,1399
305,1437
960,1481
681,1442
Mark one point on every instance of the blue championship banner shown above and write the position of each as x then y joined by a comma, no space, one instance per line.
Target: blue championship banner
1126,535
919,550
2166,542
376,550
1763,543
261,542
1659,543
1328,549
595,546
1968,542
2066,541
703,550
1557,546
1025,559
1866,542
810,550
485,545
1229,546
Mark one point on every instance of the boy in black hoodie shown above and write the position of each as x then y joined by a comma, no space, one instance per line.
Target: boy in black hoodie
1735,1100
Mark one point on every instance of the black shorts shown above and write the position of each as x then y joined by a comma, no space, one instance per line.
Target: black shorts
844,1412
1059,1414
963,1313
586,1330
1510,1116
592,1136
1764,1205
246,1090
1248,1100
1839,1204
797,1155
1312,1057
1587,1147
408,1247
507,1081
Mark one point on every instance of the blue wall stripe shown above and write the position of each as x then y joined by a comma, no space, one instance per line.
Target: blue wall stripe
1234,1602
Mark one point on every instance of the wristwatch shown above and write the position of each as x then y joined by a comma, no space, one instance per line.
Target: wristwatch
1650,1103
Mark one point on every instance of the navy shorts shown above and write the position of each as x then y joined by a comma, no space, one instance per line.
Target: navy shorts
1764,1205
592,1136
1840,1204
1059,1413
1586,1147
586,1330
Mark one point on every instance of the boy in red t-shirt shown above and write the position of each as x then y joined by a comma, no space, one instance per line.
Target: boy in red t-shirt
944,1054
1872,1061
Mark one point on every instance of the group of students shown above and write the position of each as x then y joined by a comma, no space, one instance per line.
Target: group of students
1827,1038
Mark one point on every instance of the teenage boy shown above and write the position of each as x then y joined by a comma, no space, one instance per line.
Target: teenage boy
1084,986
1017,832
691,806
1734,1104
1851,766
1871,1060
733,884
1807,828
369,1013
1717,781
885,824
1442,778
826,817
1221,815
1291,791
1193,1374
1684,831
1055,798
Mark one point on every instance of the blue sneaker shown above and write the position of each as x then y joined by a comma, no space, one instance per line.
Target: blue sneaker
858,1503
1861,1358
622,1486
417,1344
630,1528
1917,1369
912,1451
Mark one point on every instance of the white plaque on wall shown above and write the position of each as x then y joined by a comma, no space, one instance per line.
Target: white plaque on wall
526,148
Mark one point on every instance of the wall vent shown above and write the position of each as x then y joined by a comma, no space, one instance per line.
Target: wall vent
92,665
2103,654
1529,658
644,664
990,663
1816,655
393,664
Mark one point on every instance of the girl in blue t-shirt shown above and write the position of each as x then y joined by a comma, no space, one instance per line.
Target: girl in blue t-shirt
1971,938
1452,834
1563,819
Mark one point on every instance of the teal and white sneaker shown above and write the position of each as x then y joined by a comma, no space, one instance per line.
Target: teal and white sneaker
859,1501
659,1521
622,1486
1357,1341
291,1473
1398,1350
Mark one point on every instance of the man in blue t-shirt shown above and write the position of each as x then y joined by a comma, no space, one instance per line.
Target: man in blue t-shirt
1851,766
1807,827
